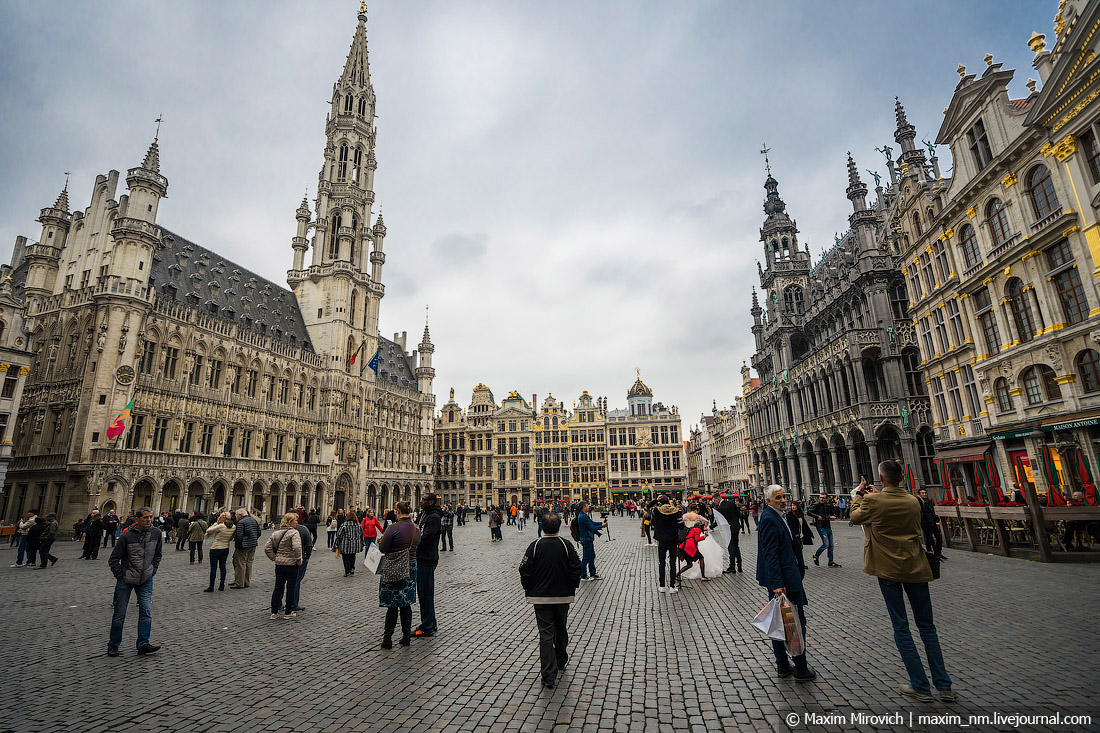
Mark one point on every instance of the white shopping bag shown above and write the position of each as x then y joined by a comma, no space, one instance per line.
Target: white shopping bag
770,621
373,561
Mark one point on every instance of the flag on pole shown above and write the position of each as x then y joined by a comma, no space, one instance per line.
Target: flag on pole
374,360
355,354
118,427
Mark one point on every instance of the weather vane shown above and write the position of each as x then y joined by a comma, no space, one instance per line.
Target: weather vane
767,163
66,180
158,120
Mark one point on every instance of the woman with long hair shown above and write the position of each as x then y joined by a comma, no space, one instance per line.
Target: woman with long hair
349,540
222,531
397,585
331,529
372,528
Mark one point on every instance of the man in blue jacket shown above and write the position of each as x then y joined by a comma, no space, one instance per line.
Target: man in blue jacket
777,569
587,530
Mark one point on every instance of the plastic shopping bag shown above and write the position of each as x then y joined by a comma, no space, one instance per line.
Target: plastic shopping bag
373,558
770,621
792,628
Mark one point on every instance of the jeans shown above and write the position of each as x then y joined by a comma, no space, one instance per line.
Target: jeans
285,577
217,560
588,558
538,526
22,549
368,541
145,611
195,546
520,521
553,637
826,541
922,614
331,539
779,648
663,549
44,552
295,592
425,593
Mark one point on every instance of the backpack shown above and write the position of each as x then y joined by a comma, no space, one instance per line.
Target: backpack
575,529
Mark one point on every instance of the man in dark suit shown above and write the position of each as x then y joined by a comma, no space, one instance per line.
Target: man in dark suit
777,569
732,514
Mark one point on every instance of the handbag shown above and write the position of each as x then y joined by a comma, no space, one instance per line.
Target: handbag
807,533
395,566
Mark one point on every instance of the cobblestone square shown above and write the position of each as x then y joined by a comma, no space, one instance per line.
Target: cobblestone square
1018,637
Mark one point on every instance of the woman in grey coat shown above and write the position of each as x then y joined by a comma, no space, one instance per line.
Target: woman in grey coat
349,540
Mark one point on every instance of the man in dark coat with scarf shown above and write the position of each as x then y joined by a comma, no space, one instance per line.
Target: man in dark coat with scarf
778,570
94,527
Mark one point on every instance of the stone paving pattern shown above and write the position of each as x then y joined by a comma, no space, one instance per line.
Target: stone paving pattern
1018,636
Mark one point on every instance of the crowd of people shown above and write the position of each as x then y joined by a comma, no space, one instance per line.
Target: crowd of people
696,539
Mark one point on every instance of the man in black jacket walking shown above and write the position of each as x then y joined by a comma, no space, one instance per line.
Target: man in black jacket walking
550,573
729,510
134,562
427,557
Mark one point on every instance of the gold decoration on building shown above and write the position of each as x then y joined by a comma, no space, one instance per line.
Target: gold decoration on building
1010,180
1037,42
989,59
1059,21
1070,230
1031,85
962,71
1061,150
24,370
971,212
949,233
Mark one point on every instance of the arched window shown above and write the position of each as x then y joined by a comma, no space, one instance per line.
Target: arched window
1088,366
792,299
926,451
998,222
354,239
917,229
362,106
914,378
348,103
1020,305
342,167
333,239
1041,190
357,165
1004,399
1039,385
354,305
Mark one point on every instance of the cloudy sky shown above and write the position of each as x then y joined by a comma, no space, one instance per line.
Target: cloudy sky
574,187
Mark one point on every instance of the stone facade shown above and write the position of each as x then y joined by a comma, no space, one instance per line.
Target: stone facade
244,393
720,442
644,448
15,365
1006,252
552,459
513,439
450,453
588,449
835,351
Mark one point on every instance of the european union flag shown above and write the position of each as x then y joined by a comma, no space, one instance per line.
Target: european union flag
374,361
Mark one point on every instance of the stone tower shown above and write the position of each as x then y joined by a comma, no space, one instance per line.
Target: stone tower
340,290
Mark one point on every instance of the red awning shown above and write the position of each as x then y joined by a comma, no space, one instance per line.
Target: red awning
962,455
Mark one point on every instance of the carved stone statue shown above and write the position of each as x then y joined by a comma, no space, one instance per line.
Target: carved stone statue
122,342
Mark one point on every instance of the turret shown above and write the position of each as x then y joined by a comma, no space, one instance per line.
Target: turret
135,232
43,258
862,219
911,160
300,243
424,372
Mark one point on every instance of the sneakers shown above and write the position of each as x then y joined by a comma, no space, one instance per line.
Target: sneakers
112,650
834,565
422,634
597,577
53,561
662,589
292,614
273,616
147,648
910,691
16,565
816,561
673,589
947,695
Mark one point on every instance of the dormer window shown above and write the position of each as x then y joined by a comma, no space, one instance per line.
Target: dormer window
979,145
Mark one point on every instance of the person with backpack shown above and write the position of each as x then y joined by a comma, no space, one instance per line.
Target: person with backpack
551,573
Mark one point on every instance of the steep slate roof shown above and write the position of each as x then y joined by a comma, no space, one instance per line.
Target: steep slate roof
394,365
187,273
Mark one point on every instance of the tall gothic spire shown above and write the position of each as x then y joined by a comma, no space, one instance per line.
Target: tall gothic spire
62,203
905,133
857,191
152,158
357,67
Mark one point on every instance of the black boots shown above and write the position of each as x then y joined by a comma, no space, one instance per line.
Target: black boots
209,590
221,586
387,641
404,639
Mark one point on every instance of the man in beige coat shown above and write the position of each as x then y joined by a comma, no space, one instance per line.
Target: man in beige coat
893,553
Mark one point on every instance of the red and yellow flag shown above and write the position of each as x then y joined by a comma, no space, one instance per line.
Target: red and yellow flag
118,427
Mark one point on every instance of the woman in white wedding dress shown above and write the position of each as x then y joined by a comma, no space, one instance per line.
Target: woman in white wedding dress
711,553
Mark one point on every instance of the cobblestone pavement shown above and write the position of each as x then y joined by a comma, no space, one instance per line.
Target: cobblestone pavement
1018,637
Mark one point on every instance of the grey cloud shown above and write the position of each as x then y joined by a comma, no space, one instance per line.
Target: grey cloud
463,250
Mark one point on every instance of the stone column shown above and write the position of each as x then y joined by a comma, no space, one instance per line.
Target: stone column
872,448
807,486
836,469
791,476
853,463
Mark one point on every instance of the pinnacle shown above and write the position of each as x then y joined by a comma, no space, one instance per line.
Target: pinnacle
899,112
152,158
62,202
303,210
853,173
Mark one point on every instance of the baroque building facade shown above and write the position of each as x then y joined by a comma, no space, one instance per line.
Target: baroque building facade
721,441
244,393
644,448
588,449
450,453
1006,251
839,383
515,456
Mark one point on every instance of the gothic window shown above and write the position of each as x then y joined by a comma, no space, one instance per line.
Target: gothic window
171,357
342,167
333,239
979,145
1039,385
354,304
792,299
354,240
1067,282
362,106
998,222
914,379
348,102
1041,191
357,165
926,451
1020,304
917,229
1088,366
968,240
